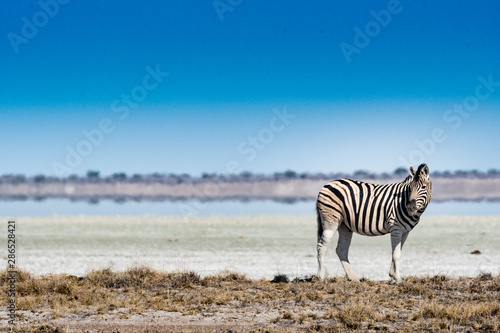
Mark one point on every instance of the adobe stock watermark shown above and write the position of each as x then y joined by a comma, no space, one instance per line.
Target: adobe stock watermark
373,28
248,150
94,137
453,117
31,26
223,6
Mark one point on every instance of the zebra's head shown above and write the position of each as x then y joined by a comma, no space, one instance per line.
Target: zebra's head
419,190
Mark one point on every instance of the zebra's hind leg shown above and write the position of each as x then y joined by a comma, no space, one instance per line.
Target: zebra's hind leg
326,229
345,236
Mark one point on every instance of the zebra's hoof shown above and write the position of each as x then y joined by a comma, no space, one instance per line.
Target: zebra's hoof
322,276
395,281
353,278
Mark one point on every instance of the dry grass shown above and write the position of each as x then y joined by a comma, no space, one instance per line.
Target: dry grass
418,304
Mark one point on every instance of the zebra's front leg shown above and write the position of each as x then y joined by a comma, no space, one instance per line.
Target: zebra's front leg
398,238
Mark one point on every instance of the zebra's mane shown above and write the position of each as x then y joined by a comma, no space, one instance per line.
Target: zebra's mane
408,179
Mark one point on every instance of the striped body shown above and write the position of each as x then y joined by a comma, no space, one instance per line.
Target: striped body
365,208
349,206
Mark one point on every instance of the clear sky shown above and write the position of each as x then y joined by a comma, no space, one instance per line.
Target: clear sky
230,85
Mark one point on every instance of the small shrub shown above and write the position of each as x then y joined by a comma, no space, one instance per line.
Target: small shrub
280,278
186,279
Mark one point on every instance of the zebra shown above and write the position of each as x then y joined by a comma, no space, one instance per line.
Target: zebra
348,206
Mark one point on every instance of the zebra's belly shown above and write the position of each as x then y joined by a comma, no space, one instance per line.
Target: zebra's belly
367,225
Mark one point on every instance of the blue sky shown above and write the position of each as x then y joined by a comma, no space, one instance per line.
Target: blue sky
224,86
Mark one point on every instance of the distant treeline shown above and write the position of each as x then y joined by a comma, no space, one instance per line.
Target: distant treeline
94,177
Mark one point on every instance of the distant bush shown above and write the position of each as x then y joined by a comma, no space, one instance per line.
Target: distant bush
13,179
290,174
400,171
39,179
364,174
93,175
119,177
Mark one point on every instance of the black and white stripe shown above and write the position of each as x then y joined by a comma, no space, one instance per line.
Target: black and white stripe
368,209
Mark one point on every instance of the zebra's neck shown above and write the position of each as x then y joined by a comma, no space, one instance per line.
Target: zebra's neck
403,216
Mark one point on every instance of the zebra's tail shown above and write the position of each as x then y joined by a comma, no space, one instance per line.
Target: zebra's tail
320,223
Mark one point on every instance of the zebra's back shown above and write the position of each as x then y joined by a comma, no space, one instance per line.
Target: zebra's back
363,207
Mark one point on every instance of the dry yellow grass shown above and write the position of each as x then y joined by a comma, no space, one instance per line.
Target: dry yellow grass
241,304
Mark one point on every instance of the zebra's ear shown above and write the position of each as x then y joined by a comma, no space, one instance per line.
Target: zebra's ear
412,171
425,171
